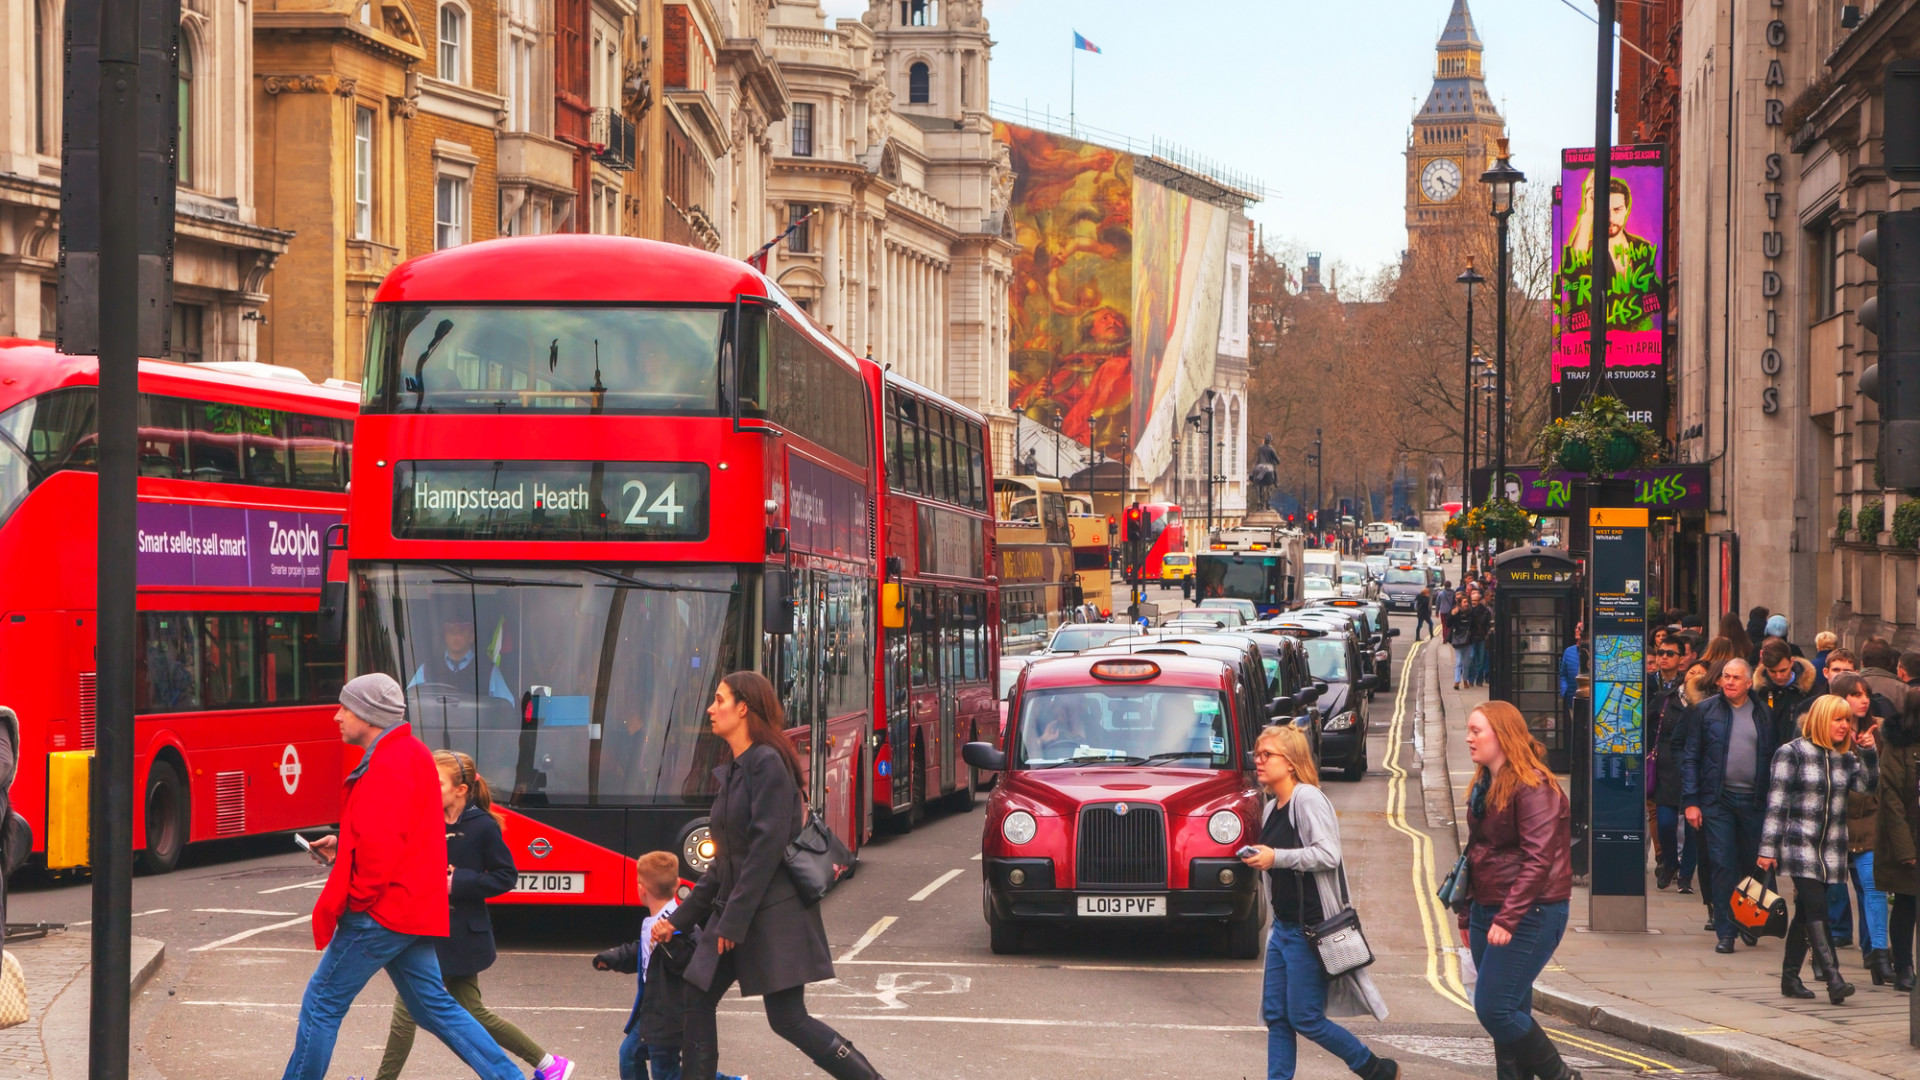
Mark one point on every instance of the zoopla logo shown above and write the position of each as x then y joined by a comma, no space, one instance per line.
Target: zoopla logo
301,542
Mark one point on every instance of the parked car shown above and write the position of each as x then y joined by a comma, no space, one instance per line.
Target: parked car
1334,659
1248,612
1318,587
1402,585
1080,636
1175,566
1125,787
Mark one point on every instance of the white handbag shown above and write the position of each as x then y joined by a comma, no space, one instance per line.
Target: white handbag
13,991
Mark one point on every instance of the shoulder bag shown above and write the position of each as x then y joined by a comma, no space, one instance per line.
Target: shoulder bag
817,860
1757,909
1338,941
1457,891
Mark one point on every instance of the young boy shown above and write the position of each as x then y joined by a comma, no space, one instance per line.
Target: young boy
652,1044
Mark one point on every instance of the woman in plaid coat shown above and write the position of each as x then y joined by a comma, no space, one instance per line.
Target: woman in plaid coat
1805,835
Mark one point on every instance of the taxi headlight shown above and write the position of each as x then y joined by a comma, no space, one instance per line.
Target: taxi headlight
1341,722
1224,826
697,850
1019,827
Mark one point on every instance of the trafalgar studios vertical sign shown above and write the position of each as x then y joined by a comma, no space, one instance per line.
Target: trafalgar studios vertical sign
1634,257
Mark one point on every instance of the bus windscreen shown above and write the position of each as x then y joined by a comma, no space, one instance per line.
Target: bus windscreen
569,687
433,358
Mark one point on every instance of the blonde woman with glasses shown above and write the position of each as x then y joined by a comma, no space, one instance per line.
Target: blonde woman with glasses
1299,851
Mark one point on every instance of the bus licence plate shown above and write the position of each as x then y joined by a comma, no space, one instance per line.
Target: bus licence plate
552,883
1137,907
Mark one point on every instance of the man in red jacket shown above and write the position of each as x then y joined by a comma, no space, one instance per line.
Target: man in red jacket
386,898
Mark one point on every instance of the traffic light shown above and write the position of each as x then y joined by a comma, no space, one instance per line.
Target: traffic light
1113,528
1136,548
1893,314
1133,523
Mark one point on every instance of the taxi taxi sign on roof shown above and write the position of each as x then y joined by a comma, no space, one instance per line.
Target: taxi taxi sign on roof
1125,670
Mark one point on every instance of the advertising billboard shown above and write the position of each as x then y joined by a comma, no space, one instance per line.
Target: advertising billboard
1179,276
1635,247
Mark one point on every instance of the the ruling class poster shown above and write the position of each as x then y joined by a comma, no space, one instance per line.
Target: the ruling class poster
1635,246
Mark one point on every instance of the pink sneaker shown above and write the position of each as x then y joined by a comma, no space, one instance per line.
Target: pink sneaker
561,1069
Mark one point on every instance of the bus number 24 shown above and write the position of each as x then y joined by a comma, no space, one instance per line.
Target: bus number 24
664,505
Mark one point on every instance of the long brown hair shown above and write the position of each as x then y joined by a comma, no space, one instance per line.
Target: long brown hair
766,720
1732,629
1524,767
1723,648
459,769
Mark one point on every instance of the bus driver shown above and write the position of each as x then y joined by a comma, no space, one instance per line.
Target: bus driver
453,667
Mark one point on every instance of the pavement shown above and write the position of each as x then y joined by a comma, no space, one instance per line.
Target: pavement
52,1044
1667,988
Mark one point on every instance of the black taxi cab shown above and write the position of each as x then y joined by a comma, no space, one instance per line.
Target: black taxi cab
1126,786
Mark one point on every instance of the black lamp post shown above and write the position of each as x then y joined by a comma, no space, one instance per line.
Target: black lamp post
1210,408
1318,497
1469,279
1501,181
1476,375
1058,419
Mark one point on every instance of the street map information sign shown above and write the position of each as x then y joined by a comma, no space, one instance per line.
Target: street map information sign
1617,623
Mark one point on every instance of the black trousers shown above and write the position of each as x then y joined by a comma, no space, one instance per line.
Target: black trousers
786,1014
1900,929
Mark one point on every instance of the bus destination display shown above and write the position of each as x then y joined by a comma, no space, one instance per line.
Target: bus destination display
549,500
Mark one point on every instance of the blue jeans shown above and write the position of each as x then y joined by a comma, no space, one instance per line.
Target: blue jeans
1462,663
1481,661
1293,1002
1503,996
1873,902
361,947
1672,828
1732,824
634,1055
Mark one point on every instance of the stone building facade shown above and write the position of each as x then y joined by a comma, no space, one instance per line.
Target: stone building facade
224,246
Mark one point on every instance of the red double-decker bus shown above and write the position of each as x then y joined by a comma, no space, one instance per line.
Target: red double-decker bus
243,470
939,650
593,475
1158,530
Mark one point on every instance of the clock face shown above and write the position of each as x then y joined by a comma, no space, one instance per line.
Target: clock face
1440,180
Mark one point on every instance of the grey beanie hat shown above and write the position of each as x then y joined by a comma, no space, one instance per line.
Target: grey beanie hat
375,698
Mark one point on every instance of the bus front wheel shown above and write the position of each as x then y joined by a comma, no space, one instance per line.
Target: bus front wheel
167,818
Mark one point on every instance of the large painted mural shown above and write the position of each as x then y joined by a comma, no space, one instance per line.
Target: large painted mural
1072,303
1179,275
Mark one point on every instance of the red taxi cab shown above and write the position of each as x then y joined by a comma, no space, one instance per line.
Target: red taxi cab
1126,787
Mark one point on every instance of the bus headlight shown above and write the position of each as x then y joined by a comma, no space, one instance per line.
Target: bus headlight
1019,827
697,849
1224,826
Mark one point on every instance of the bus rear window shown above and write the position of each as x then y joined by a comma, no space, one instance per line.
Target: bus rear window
536,359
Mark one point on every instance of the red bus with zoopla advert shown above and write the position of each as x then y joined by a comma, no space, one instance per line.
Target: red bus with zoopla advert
1152,531
939,605
242,471
593,475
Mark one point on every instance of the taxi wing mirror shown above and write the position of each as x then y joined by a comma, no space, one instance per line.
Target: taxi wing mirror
1368,682
1393,631
1285,703
985,756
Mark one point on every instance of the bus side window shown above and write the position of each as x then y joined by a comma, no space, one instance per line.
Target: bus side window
169,663
162,437
226,661
317,452
215,431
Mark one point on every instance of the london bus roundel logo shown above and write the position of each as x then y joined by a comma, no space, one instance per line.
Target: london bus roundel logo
290,769
540,848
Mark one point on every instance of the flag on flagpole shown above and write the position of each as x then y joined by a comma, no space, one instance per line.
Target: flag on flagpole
1082,43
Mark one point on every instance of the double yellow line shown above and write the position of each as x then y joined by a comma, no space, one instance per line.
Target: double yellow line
1437,924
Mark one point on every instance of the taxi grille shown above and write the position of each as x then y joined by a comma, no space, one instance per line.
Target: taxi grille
1122,849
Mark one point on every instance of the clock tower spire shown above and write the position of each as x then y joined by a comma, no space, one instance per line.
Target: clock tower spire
1452,138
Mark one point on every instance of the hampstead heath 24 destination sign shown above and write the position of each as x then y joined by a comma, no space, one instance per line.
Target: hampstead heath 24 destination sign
550,500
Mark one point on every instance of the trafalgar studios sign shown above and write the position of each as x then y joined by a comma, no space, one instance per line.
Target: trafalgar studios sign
230,546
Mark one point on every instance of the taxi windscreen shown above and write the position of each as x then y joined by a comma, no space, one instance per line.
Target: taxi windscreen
1327,658
1124,725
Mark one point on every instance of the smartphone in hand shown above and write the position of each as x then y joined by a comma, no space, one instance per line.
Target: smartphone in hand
1247,851
307,846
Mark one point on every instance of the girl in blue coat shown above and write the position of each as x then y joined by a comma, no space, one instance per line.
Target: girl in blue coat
479,867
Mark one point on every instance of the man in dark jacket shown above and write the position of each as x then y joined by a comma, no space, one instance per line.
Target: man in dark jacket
1784,683
1723,783
1423,612
1480,629
1662,715
1880,658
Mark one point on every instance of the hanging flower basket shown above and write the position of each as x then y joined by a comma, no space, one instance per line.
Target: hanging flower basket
1457,529
1599,438
1500,519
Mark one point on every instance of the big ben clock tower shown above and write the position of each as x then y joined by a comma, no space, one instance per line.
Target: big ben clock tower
1453,139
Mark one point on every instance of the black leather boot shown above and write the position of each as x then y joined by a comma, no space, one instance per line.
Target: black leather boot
1838,988
1791,961
1903,979
843,1062
1538,1056
1882,966
1506,1063
1378,1068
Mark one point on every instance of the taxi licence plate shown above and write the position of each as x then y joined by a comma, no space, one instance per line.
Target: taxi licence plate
552,882
1136,907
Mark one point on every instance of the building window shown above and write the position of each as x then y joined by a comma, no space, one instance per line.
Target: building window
802,129
362,173
919,84
1832,270
919,12
49,311
184,177
800,241
184,343
366,14
521,58
453,38
40,76
449,212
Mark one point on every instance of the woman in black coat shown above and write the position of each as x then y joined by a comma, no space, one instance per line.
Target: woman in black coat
753,927
479,867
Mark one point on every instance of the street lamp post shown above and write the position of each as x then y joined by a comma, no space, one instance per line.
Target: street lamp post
1209,408
1501,180
1319,497
1058,419
1469,279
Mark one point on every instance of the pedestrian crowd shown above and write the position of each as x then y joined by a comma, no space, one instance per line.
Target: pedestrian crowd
1466,622
420,850
1773,773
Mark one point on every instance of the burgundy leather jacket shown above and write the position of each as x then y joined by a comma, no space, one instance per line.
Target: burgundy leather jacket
1522,855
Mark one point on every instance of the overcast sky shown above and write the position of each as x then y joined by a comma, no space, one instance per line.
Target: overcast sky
1312,98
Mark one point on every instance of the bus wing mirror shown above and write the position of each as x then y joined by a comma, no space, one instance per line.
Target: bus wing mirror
893,606
333,594
777,601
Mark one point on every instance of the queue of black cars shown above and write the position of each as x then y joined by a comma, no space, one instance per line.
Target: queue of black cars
1125,764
